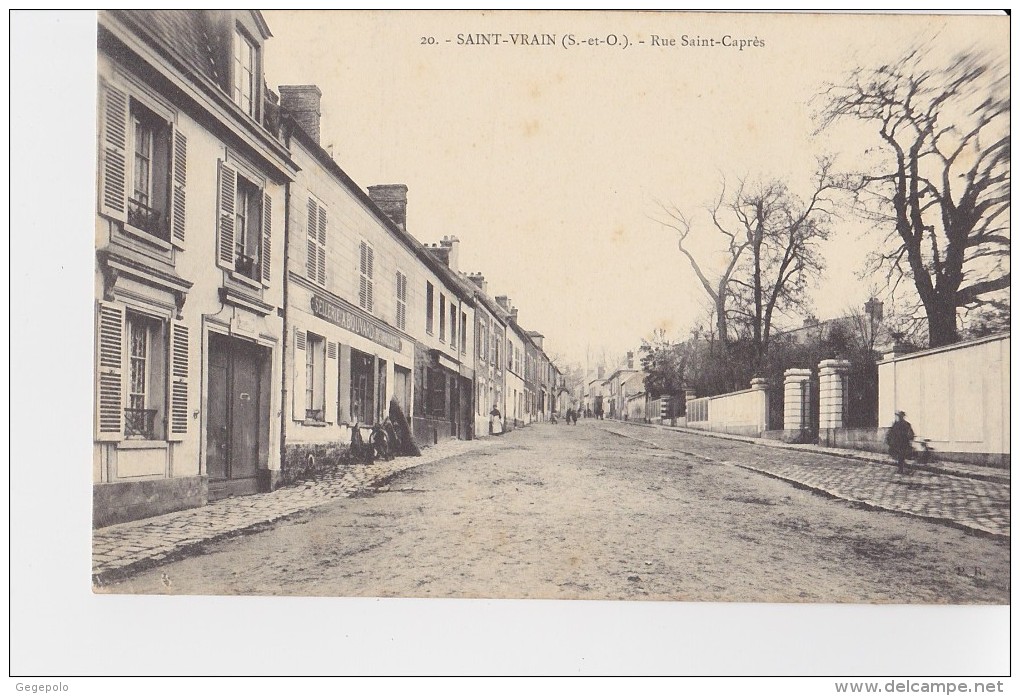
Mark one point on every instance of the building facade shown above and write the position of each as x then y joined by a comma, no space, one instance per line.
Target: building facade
189,279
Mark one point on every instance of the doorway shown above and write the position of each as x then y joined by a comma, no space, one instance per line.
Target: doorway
237,432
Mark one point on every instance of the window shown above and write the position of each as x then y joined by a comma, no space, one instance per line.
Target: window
453,326
245,225
245,73
367,273
146,377
362,387
315,376
495,349
315,262
401,301
463,332
436,392
442,317
429,309
142,167
248,229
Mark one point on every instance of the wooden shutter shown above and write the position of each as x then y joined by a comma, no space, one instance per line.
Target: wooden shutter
180,180
321,260
227,195
370,274
179,367
109,372
363,289
332,377
113,169
267,238
300,348
311,263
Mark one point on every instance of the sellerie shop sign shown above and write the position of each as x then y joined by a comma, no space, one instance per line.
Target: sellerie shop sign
346,319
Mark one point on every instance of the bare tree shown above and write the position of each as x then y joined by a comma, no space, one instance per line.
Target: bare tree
942,187
782,232
717,288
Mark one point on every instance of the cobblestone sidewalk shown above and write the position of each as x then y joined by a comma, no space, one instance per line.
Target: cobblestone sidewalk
122,548
963,496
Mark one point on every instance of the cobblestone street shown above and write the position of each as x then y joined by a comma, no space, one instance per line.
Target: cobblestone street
603,510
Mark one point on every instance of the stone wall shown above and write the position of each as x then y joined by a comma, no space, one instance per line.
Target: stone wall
124,501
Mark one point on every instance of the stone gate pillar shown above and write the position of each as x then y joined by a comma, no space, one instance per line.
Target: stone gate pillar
760,385
796,399
831,396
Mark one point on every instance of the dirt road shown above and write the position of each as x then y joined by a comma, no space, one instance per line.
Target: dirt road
579,512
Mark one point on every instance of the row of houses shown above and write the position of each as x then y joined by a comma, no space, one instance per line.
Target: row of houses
254,304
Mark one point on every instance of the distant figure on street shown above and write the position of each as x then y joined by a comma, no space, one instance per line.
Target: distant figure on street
571,416
495,421
899,438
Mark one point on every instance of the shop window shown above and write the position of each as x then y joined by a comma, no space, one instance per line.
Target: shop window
362,388
437,392
315,378
429,309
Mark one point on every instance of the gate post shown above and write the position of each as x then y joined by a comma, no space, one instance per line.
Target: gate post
796,400
831,399
761,385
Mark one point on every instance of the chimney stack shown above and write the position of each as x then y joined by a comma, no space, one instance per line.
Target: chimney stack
479,280
537,338
392,200
453,256
630,360
303,102
504,302
601,372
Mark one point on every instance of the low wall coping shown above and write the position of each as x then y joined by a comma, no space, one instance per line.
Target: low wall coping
796,372
942,349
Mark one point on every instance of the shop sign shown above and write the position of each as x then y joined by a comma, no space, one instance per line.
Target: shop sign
346,319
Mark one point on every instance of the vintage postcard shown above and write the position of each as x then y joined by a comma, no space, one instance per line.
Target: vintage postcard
661,306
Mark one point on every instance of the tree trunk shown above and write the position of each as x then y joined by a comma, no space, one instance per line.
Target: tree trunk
941,323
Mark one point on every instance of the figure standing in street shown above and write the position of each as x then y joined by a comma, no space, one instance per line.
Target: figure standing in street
899,438
495,421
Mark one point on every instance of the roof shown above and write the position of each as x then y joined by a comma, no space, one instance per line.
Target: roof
188,35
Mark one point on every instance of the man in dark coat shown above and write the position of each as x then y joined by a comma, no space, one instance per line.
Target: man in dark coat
899,438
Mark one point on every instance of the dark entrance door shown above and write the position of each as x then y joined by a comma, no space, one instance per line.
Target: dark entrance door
455,407
237,398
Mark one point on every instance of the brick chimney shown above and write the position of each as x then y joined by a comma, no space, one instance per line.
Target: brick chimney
630,360
513,314
479,280
537,338
302,102
453,256
504,302
392,200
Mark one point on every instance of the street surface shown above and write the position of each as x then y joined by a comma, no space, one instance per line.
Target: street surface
609,510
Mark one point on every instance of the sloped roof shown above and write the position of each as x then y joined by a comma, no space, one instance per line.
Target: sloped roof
185,34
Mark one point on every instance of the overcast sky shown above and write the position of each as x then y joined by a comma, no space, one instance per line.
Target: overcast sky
547,162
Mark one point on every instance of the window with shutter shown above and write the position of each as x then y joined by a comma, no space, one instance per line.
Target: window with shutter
401,301
429,306
110,372
179,187
315,261
299,366
332,383
179,388
113,168
244,224
365,300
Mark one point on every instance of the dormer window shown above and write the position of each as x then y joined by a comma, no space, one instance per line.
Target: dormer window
245,72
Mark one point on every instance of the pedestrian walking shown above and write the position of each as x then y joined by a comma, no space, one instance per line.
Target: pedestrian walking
899,438
495,421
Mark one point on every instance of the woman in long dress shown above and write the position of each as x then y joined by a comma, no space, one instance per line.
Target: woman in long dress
495,421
